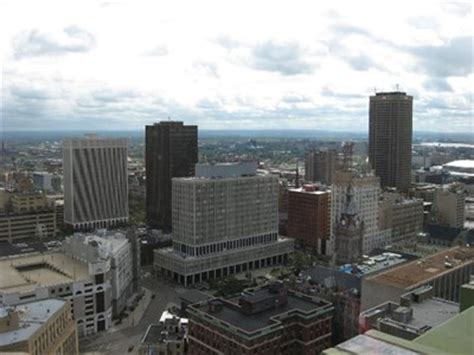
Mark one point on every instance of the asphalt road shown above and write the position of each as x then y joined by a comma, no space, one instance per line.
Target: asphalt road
118,342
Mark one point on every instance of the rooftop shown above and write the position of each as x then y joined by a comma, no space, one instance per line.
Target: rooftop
418,272
467,163
454,336
229,313
32,316
26,273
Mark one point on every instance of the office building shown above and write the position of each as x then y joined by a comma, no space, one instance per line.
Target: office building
416,313
403,216
95,182
266,320
46,182
39,275
170,151
320,166
448,207
309,216
390,138
365,190
118,250
222,226
43,327
445,271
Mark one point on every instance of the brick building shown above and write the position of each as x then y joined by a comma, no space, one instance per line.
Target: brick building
266,320
309,216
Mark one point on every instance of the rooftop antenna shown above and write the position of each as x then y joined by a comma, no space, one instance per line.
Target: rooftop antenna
375,90
398,87
169,118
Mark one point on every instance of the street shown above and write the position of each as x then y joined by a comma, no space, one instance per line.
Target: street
119,341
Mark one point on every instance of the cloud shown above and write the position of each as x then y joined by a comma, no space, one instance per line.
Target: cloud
361,62
158,51
457,8
35,43
437,84
341,29
227,42
454,58
284,58
207,68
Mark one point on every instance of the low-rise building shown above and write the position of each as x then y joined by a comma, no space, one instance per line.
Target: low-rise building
169,337
445,271
416,313
38,328
118,250
448,206
266,320
86,286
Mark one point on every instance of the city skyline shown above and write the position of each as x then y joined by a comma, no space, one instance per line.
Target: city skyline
232,67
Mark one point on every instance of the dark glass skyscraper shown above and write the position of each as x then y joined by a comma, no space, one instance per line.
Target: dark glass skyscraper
170,151
390,138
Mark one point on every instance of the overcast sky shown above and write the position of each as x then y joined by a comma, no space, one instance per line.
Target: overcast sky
233,64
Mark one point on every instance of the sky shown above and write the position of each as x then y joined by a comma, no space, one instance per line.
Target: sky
232,64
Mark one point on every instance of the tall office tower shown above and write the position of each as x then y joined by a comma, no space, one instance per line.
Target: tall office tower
223,223
320,166
390,137
95,182
170,151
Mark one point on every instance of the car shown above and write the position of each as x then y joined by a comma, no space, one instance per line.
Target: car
130,348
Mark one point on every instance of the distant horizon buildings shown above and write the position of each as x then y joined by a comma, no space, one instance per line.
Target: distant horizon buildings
170,151
95,182
390,138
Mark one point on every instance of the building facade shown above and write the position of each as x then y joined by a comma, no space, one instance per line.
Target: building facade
402,215
85,286
117,249
320,166
449,206
170,151
43,327
266,320
223,226
95,182
390,138
365,194
309,217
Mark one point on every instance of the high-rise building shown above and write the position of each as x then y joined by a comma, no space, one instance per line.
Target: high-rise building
222,226
390,137
38,327
449,206
95,182
365,196
309,216
170,151
320,166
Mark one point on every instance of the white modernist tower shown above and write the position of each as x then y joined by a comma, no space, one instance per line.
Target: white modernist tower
95,182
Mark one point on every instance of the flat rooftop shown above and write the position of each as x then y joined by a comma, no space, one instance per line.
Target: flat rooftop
32,316
231,313
26,273
418,272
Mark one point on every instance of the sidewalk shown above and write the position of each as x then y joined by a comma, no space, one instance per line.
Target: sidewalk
134,317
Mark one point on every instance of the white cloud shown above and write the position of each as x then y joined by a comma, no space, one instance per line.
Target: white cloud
219,64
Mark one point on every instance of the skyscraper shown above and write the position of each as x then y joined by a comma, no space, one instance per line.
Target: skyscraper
170,151
320,166
390,137
95,182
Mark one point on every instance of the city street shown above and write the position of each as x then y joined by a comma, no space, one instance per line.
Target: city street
119,341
